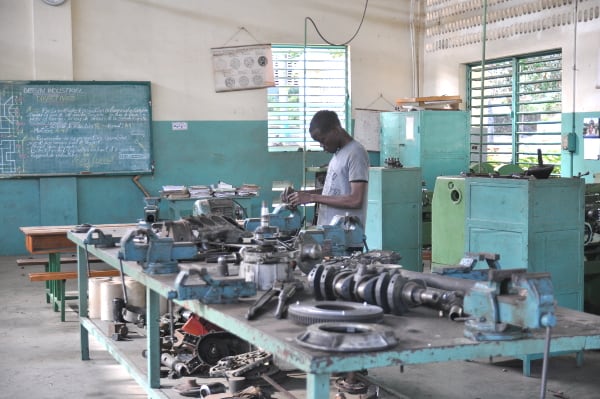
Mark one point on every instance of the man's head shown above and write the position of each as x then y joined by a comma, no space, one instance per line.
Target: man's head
325,128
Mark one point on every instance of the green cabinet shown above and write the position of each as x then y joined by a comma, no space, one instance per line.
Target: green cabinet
533,224
394,213
448,221
435,141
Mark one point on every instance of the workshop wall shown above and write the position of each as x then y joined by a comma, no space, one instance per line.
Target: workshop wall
168,44
452,38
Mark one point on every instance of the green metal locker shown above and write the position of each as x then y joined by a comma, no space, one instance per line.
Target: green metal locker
535,224
394,213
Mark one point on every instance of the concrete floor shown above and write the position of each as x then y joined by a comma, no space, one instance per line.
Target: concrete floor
40,358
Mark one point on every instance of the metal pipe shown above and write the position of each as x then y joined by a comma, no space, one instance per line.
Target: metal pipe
545,363
438,281
483,41
275,385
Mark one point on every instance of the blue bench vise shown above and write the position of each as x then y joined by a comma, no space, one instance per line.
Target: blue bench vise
207,289
156,255
508,305
286,220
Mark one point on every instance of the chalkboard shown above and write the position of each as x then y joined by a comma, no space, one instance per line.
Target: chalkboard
74,128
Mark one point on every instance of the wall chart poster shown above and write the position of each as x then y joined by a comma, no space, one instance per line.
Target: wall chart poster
242,67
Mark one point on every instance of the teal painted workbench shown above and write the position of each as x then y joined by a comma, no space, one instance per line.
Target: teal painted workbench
423,337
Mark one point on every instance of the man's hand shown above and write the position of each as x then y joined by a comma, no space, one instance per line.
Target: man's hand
285,195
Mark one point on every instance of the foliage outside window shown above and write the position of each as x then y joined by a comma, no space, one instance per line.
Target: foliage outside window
520,111
307,79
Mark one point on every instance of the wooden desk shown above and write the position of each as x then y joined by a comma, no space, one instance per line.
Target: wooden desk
52,240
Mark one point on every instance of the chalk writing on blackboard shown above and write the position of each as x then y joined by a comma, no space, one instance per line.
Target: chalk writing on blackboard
65,128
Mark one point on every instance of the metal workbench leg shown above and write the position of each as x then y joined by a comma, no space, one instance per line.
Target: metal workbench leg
317,386
82,291
54,266
152,320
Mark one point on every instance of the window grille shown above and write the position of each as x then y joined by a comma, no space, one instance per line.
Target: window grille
520,111
307,79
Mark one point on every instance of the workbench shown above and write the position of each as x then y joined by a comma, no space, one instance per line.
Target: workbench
423,337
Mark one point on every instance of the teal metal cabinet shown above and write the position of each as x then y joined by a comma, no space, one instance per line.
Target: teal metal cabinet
394,213
533,224
435,141
448,221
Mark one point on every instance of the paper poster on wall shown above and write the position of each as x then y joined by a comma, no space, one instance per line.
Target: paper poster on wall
367,128
591,138
242,67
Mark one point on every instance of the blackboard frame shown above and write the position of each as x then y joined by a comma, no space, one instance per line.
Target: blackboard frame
75,128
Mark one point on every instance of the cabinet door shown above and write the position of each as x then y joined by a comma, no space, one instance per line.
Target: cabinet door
392,140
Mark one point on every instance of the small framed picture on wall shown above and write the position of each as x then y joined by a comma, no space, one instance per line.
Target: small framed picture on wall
591,138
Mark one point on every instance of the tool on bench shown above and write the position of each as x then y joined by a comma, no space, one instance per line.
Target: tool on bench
284,291
156,255
207,289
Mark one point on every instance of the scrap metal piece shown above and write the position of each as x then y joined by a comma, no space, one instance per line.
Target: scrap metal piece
340,311
242,364
347,337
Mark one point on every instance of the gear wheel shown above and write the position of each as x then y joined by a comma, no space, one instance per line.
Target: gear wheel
330,311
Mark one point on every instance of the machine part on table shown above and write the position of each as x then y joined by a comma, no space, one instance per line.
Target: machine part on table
264,265
194,282
225,207
156,255
98,239
206,230
284,291
347,337
320,312
285,220
118,331
81,228
217,345
151,209
343,237
255,363
212,388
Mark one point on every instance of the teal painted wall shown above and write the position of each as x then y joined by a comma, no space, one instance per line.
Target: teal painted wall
232,151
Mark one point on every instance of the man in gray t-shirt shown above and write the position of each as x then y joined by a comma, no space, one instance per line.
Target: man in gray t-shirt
345,188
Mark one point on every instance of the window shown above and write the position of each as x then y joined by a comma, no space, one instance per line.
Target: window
307,79
519,110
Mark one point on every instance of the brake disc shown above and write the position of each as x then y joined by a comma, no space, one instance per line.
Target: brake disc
347,337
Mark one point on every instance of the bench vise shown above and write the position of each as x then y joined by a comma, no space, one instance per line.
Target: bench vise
508,305
157,255
286,220
207,289
343,237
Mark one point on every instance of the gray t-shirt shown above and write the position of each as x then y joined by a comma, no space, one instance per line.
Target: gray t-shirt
349,164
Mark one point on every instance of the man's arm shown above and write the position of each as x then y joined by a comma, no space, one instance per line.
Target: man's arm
358,193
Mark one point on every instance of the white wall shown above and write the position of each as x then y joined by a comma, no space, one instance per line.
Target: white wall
443,69
168,42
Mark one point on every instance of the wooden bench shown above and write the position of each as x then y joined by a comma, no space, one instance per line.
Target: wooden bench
44,261
61,279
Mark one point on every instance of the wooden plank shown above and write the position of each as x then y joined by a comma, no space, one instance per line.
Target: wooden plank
43,262
51,276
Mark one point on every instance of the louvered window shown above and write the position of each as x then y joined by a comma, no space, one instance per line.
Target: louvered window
520,111
307,79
